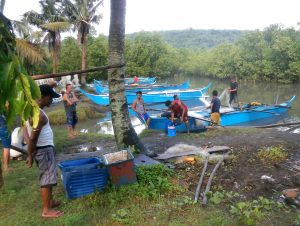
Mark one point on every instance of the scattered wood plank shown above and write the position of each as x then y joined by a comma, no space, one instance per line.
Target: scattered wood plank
194,152
201,180
56,75
204,201
279,124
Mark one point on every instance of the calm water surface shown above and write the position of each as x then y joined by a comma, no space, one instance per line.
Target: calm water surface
264,92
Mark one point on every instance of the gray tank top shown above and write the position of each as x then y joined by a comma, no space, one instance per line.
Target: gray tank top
140,106
70,108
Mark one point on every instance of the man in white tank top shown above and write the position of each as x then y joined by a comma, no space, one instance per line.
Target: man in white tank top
41,149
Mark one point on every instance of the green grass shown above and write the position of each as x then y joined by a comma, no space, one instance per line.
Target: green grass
155,200
134,204
62,141
84,112
272,155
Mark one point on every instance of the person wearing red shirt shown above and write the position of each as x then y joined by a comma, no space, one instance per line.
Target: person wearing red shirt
178,110
135,79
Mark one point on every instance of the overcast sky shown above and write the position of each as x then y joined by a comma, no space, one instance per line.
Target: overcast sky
156,15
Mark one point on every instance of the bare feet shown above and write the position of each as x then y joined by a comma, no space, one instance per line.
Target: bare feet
52,214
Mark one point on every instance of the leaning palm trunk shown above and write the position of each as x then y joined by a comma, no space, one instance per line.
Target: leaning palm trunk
125,135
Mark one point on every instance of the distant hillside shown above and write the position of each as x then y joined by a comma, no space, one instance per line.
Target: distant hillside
198,39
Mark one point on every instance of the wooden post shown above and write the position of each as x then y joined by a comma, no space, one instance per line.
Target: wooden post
201,179
204,201
36,77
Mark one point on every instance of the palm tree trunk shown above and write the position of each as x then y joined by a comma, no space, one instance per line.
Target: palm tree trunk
54,60
83,60
125,135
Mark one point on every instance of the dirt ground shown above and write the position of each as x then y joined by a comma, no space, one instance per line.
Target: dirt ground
241,173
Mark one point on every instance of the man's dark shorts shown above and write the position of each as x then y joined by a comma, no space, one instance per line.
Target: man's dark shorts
72,118
4,135
45,160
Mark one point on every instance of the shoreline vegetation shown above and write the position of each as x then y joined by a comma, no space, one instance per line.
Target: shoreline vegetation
268,55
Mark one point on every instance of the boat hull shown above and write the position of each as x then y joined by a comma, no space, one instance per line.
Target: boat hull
129,90
256,113
151,97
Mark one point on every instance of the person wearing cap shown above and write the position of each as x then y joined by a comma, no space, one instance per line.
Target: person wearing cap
41,149
179,110
70,101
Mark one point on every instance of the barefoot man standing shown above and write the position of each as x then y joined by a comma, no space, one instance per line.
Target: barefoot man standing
41,149
70,101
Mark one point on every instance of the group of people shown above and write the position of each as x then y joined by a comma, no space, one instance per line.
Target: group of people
179,110
40,144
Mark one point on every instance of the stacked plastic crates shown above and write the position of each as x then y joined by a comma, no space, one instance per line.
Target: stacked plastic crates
83,176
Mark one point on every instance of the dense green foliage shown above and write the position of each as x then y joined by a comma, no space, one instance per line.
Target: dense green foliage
70,55
269,55
17,90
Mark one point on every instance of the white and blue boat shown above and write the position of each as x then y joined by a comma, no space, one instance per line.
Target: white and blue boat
248,114
101,89
151,97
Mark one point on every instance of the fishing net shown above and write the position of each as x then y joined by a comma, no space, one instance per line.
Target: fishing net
225,95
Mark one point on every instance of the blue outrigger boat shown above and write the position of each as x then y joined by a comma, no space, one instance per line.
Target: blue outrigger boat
248,113
151,97
142,80
101,89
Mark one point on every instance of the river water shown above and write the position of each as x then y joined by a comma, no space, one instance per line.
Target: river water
264,92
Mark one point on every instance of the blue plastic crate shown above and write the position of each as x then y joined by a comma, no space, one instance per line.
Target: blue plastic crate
79,183
84,163
83,176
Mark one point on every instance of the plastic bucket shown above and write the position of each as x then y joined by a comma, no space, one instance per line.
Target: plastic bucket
171,131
